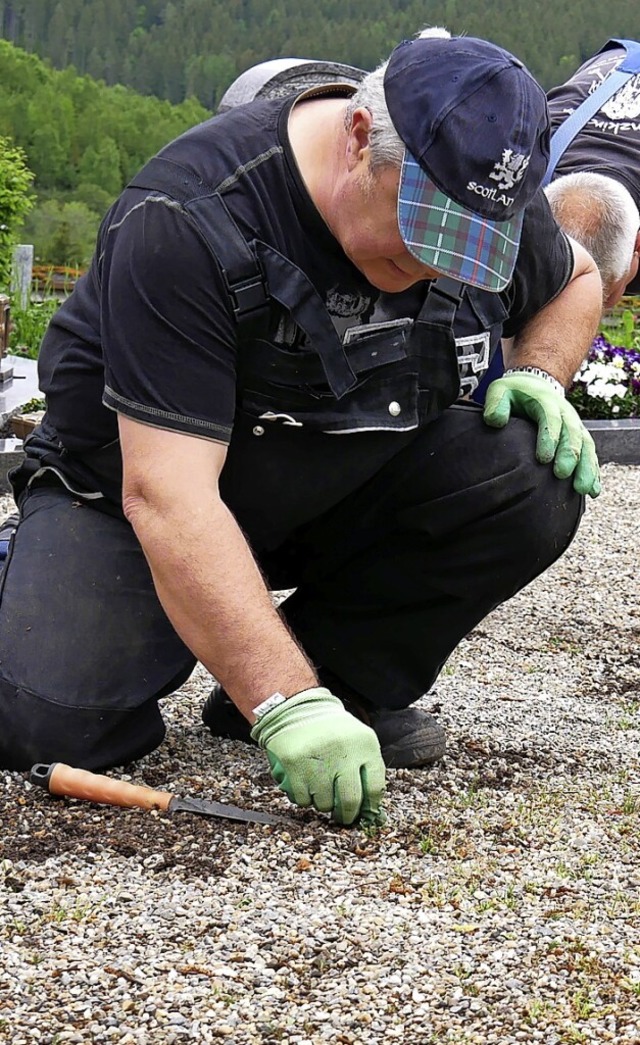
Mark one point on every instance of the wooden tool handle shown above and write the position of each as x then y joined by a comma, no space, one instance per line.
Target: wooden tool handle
61,779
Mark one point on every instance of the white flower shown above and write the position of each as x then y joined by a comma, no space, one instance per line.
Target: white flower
599,372
600,389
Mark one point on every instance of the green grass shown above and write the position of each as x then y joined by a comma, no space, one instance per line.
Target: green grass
28,327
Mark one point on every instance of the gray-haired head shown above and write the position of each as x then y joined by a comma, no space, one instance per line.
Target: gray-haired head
468,125
387,147
598,212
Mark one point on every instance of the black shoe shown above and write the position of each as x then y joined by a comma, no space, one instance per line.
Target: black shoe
409,738
222,718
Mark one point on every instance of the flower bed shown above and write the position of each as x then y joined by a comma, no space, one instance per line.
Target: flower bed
607,386
606,389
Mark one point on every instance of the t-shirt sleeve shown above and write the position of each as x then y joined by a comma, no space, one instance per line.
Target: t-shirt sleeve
169,336
543,269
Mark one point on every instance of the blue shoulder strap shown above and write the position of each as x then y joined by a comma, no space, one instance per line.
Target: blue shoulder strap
567,130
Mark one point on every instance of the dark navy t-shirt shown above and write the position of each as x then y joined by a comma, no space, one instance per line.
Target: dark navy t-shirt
609,143
149,332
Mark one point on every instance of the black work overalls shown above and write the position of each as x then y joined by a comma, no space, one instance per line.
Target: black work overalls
313,424
400,521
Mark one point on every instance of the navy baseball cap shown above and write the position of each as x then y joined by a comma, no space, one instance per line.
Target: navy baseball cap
476,131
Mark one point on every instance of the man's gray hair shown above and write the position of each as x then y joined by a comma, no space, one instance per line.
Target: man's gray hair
387,147
600,214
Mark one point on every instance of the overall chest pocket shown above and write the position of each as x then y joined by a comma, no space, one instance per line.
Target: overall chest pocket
291,388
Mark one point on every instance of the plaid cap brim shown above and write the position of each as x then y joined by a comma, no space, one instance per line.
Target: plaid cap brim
451,239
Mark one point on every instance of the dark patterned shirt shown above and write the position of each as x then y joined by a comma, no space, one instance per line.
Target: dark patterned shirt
609,143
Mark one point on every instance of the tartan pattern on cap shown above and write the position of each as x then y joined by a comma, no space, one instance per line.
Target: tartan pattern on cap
450,238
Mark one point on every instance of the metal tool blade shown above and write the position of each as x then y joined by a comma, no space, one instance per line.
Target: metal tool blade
221,809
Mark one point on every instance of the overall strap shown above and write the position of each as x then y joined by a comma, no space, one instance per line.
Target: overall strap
245,282
290,287
254,273
441,303
434,324
616,79
243,275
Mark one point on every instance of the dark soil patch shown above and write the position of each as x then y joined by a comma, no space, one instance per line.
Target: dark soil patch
36,826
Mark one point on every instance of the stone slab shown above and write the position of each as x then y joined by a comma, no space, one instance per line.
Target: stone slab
21,388
11,454
15,393
617,442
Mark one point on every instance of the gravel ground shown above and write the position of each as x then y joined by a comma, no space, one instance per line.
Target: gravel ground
500,904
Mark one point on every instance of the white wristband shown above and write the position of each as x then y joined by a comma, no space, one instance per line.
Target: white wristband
537,372
268,705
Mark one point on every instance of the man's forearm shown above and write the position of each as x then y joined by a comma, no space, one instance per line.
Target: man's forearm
214,595
557,339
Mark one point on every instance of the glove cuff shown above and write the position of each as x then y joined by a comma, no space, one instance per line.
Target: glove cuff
535,371
315,695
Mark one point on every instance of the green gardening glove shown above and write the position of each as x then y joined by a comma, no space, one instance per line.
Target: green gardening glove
562,437
320,755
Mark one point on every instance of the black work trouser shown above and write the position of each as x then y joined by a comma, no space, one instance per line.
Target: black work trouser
387,583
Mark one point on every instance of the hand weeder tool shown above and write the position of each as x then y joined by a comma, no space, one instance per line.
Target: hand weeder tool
60,779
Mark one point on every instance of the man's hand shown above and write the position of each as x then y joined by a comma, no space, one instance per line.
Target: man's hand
321,755
562,437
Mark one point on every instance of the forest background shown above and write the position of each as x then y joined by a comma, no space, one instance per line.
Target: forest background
92,88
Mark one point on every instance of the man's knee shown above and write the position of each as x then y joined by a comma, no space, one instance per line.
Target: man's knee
80,622
543,511
33,729
466,471
481,494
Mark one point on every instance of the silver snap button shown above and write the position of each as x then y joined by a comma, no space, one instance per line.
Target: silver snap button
395,409
258,430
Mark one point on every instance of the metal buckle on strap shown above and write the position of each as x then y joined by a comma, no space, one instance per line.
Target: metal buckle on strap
448,288
248,296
